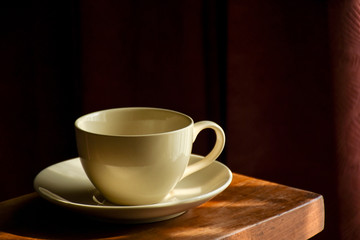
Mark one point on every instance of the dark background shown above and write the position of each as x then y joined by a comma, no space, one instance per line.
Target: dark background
281,77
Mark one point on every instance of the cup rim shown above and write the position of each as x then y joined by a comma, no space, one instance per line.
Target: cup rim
79,119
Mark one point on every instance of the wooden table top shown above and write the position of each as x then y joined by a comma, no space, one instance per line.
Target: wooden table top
248,209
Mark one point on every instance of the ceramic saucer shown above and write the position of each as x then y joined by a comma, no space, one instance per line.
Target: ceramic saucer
67,185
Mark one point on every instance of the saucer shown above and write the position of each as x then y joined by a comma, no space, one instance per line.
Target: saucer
67,185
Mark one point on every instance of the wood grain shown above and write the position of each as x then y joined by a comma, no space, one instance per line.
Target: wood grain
248,209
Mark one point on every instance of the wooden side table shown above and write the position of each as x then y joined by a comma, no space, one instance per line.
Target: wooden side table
248,209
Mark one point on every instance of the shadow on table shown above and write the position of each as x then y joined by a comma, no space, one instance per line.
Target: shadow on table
37,218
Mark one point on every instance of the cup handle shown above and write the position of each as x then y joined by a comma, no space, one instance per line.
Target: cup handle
214,153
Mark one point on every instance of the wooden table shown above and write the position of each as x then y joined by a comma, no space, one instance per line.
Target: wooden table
248,209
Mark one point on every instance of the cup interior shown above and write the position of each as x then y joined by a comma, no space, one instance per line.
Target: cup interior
133,121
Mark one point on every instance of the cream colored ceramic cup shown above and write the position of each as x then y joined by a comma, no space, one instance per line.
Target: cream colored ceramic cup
136,156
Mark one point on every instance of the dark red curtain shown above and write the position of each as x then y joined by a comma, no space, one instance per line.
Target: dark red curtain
345,42
281,77
40,92
280,119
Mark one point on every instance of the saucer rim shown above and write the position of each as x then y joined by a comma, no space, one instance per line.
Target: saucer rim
197,198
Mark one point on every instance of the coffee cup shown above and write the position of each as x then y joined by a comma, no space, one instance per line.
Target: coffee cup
136,156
